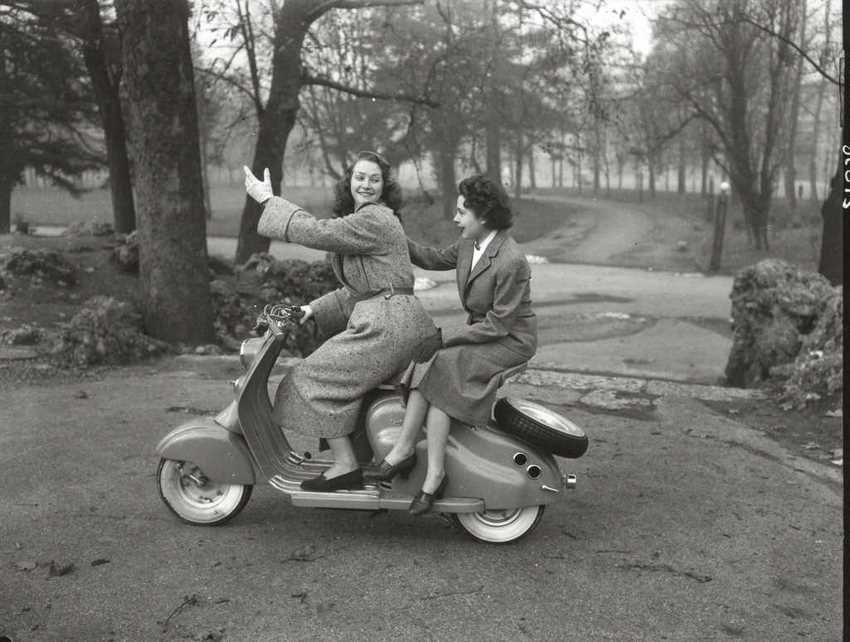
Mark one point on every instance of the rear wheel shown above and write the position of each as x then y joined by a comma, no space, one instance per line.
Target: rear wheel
195,499
500,526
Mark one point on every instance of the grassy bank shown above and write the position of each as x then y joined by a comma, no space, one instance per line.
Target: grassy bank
423,221
794,236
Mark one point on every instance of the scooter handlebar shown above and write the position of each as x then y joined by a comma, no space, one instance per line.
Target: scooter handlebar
278,316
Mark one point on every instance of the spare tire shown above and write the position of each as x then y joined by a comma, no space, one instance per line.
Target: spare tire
538,425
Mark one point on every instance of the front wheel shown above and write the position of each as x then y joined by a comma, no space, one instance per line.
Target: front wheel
500,526
195,499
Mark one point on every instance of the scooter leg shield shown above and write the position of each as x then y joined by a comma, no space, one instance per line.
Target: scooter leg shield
221,454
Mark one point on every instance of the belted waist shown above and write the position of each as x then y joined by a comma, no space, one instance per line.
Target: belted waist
386,293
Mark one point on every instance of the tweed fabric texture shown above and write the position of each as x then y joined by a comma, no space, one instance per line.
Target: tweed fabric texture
369,337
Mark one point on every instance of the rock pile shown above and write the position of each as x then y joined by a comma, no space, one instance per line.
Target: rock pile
787,325
105,331
40,265
261,280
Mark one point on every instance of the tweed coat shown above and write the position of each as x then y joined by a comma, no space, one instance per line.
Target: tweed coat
500,332
370,335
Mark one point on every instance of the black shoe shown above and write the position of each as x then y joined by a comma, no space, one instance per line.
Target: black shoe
386,471
424,502
321,484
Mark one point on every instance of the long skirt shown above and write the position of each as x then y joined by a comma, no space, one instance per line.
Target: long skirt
462,380
322,395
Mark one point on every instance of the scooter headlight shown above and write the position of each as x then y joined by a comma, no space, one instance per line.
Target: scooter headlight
249,349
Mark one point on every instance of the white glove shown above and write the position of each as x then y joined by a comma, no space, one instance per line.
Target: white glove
260,191
308,313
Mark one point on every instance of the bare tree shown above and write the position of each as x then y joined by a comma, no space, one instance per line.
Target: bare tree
277,114
736,77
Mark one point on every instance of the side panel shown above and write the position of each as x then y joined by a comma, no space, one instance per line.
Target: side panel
221,454
479,461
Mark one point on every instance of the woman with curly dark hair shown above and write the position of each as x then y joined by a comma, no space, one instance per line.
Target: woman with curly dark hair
374,323
456,373
350,183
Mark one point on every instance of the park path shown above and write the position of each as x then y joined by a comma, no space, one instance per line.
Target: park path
599,232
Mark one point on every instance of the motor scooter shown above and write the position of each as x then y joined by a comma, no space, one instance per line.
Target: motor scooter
501,475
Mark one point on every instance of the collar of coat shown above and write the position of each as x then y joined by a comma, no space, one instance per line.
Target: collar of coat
465,260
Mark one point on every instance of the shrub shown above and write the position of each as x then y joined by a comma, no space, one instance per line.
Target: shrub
105,331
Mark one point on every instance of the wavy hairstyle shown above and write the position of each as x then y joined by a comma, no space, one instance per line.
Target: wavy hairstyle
390,195
488,201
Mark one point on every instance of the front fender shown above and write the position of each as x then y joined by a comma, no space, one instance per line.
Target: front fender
221,454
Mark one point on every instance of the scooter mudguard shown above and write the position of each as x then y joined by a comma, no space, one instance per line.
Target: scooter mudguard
481,461
221,454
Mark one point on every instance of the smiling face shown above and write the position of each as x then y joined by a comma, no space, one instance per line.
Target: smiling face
367,183
471,227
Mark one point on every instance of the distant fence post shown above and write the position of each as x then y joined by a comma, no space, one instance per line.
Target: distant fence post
719,228
709,213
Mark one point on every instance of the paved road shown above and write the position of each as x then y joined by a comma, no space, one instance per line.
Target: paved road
685,527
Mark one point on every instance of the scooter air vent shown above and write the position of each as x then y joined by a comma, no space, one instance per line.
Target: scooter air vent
534,471
520,459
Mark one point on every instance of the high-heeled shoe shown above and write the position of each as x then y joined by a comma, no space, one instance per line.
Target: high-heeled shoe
424,502
386,471
348,481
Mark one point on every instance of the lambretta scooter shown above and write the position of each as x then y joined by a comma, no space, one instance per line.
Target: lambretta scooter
501,476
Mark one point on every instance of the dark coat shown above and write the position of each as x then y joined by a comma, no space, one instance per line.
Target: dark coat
372,336
500,332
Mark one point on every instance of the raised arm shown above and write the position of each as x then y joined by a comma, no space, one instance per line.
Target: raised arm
363,232
432,258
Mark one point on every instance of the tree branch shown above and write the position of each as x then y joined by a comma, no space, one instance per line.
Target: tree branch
324,7
795,47
307,79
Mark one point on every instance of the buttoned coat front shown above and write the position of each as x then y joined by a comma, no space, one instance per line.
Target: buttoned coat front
371,331
501,329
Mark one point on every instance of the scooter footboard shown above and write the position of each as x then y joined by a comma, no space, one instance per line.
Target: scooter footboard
221,454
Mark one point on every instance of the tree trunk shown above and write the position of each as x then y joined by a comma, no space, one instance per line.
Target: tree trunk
493,136
831,263
518,161
681,177
277,119
159,102
705,158
651,167
106,90
813,162
793,118
597,157
447,177
531,169
5,205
